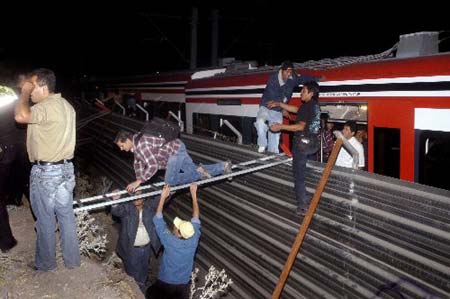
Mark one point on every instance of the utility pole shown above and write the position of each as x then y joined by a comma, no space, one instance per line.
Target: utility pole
194,23
214,36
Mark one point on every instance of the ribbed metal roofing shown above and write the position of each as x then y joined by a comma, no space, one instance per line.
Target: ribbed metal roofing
370,236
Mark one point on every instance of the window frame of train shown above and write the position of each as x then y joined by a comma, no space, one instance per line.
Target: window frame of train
211,123
338,113
432,158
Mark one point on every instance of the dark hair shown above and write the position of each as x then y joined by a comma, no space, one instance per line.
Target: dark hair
313,87
324,115
286,65
352,125
45,77
122,136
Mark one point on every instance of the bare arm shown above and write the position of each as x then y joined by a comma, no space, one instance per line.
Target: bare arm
165,193
23,111
195,209
300,126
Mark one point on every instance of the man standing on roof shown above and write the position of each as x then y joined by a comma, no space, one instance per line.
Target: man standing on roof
179,251
152,153
305,141
279,88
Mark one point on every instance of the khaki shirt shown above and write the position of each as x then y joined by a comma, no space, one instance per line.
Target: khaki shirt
51,131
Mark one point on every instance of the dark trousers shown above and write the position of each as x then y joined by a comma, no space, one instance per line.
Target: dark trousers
6,237
299,169
15,173
300,156
136,264
162,290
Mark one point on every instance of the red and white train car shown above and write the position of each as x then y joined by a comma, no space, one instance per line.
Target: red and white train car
403,103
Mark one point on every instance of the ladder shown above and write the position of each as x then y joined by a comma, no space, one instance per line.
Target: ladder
101,201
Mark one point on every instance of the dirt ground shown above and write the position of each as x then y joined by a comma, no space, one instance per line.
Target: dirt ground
93,279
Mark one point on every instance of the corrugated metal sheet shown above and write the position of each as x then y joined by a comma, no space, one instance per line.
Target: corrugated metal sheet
371,235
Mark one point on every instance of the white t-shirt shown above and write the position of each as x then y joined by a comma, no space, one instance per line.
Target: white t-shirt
345,159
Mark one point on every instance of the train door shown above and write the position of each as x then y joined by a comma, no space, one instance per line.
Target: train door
387,151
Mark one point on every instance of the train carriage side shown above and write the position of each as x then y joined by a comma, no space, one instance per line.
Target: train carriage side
404,104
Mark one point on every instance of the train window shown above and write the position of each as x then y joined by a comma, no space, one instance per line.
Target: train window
344,112
223,102
433,158
387,151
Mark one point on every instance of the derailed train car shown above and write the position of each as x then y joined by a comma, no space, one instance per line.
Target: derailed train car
401,98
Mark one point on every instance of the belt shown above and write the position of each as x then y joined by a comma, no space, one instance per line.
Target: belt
142,246
45,163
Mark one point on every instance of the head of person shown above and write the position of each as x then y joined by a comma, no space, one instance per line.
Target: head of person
361,135
310,91
287,68
182,229
44,82
138,203
330,126
349,129
124,140
324,119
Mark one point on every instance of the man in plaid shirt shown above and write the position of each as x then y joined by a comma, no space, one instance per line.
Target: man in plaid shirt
153,153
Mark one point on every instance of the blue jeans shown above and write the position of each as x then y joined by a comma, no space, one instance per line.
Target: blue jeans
137,264
271,116
51,194
182,170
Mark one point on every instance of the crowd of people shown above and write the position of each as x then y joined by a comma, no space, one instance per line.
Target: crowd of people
50,143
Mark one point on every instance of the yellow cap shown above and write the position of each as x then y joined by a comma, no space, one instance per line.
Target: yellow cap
185,227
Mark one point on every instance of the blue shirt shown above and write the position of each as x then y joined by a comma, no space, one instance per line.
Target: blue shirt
274,91
178,258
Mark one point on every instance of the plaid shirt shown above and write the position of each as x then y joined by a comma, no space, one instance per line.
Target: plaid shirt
151,154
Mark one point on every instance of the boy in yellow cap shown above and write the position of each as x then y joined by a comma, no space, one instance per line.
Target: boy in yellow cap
179,251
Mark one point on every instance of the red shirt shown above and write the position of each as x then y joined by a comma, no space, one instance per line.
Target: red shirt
151,154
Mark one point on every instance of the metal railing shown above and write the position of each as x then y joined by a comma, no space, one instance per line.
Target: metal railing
232,128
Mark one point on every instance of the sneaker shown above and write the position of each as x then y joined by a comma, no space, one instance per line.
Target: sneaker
261,149
227,167
203,173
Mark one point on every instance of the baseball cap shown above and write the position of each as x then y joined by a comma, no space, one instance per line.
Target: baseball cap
185,227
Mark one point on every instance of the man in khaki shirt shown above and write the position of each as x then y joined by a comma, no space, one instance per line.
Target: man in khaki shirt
50,145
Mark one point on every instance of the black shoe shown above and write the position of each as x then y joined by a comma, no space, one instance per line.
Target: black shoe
301,211
6,250
32,266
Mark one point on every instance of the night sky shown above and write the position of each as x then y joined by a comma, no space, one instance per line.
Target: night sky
80,40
